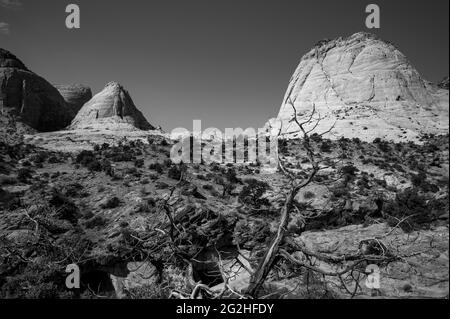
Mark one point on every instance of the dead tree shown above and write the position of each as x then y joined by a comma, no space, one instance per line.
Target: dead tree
295,185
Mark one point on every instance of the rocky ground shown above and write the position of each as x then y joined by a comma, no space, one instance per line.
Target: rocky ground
141,227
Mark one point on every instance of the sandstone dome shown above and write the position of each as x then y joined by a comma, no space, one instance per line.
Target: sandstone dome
112,108
366,88
75,95
28,98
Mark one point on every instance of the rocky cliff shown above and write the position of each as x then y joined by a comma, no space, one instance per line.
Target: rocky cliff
28,98
112,108
75,95
366,88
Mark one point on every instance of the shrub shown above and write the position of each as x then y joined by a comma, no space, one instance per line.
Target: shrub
96,221
66,208
139,163
23,174
325,147
53,160
252,193
107,167
309,195
158,167
84,157
94,166
339,192
164,143
113,202
411,208
176,171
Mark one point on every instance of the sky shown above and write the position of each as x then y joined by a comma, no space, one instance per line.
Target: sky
226,62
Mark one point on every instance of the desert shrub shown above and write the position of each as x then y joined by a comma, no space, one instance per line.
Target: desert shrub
420,181
94,166
96,221
112,202
215,167
363,182
88,160
339,192
139,163
133,171
251,194
146,206
164,143
349,170
36,281
309,195
167,162
84,157
158,167
122,157
398,168
381,182
208,187
228,182
248,234
202,177
23,174
283,147
66,208
39,158
176,171
325,147
53,159
107,167
73,189
411,208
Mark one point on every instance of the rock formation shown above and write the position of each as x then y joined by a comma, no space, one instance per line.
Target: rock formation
112,108
75,95
367,88
28,98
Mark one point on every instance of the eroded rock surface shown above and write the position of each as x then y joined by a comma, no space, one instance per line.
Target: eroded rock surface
29,98
112,107
75,95
368,88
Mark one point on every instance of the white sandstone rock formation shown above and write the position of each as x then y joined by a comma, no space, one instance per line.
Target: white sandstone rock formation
112,109
367,88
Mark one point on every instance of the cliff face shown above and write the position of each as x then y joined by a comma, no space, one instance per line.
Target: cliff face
30,99
366,88
75,95
111,108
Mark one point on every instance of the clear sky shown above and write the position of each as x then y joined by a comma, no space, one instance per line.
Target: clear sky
226,62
